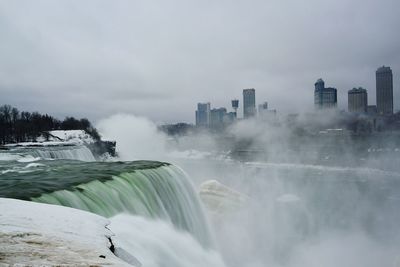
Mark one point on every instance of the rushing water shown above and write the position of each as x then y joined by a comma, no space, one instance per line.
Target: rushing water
137,196
26,154
293,215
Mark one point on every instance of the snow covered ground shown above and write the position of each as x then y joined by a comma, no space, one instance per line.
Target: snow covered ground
59,138
33,234
76,136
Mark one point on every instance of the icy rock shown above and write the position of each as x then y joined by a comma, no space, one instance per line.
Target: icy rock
220,198
34,234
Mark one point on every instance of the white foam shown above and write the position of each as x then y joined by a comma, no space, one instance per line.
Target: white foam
28,158
9,157
157,244
34,165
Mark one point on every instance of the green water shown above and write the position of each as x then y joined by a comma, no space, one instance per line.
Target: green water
151,189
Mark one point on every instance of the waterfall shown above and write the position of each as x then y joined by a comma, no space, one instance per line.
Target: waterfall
162,193
73,153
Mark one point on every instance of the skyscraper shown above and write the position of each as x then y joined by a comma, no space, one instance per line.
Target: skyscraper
217,116
203,114
324,97
384,90
358,100
235,106
249,103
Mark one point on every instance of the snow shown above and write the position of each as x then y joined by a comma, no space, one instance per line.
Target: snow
44,143
34,234
76,136
59,138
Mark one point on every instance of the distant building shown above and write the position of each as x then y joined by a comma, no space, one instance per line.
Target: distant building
384,91
249,103
203,115
357,100
235,106
324,97
217,118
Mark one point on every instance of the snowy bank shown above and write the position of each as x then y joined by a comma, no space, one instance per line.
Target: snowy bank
36,234
75,136
58,138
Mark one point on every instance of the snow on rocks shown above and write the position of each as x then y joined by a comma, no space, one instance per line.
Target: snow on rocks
58,138
76,136
34,234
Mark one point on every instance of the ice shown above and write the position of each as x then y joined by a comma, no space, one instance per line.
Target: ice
58,138
33,234
77,136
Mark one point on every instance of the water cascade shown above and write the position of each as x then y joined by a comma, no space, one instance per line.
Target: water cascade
163,192
73,153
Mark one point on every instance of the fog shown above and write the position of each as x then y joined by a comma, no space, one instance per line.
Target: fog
304,206
137,137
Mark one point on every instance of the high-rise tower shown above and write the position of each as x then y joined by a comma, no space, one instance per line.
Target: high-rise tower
324,97
384,91
249,103
235,105
203,114
358,100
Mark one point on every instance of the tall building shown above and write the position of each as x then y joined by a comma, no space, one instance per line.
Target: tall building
203,115
249,103
358,100
324,97
384,91
217,118
235,106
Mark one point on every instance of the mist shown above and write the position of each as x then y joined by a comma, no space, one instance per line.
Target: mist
137,137
309,201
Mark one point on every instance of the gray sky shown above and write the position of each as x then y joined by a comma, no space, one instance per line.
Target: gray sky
159,58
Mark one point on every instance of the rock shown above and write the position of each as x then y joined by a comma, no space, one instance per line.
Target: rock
219,198
34,234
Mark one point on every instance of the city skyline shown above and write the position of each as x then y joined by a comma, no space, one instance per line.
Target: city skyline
149,58
324,98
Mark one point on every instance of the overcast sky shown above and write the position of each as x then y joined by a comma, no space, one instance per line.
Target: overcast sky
159,58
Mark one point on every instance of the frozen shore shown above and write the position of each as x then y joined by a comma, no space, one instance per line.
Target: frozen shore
33,234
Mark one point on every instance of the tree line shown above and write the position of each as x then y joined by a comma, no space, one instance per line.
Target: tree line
16,126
